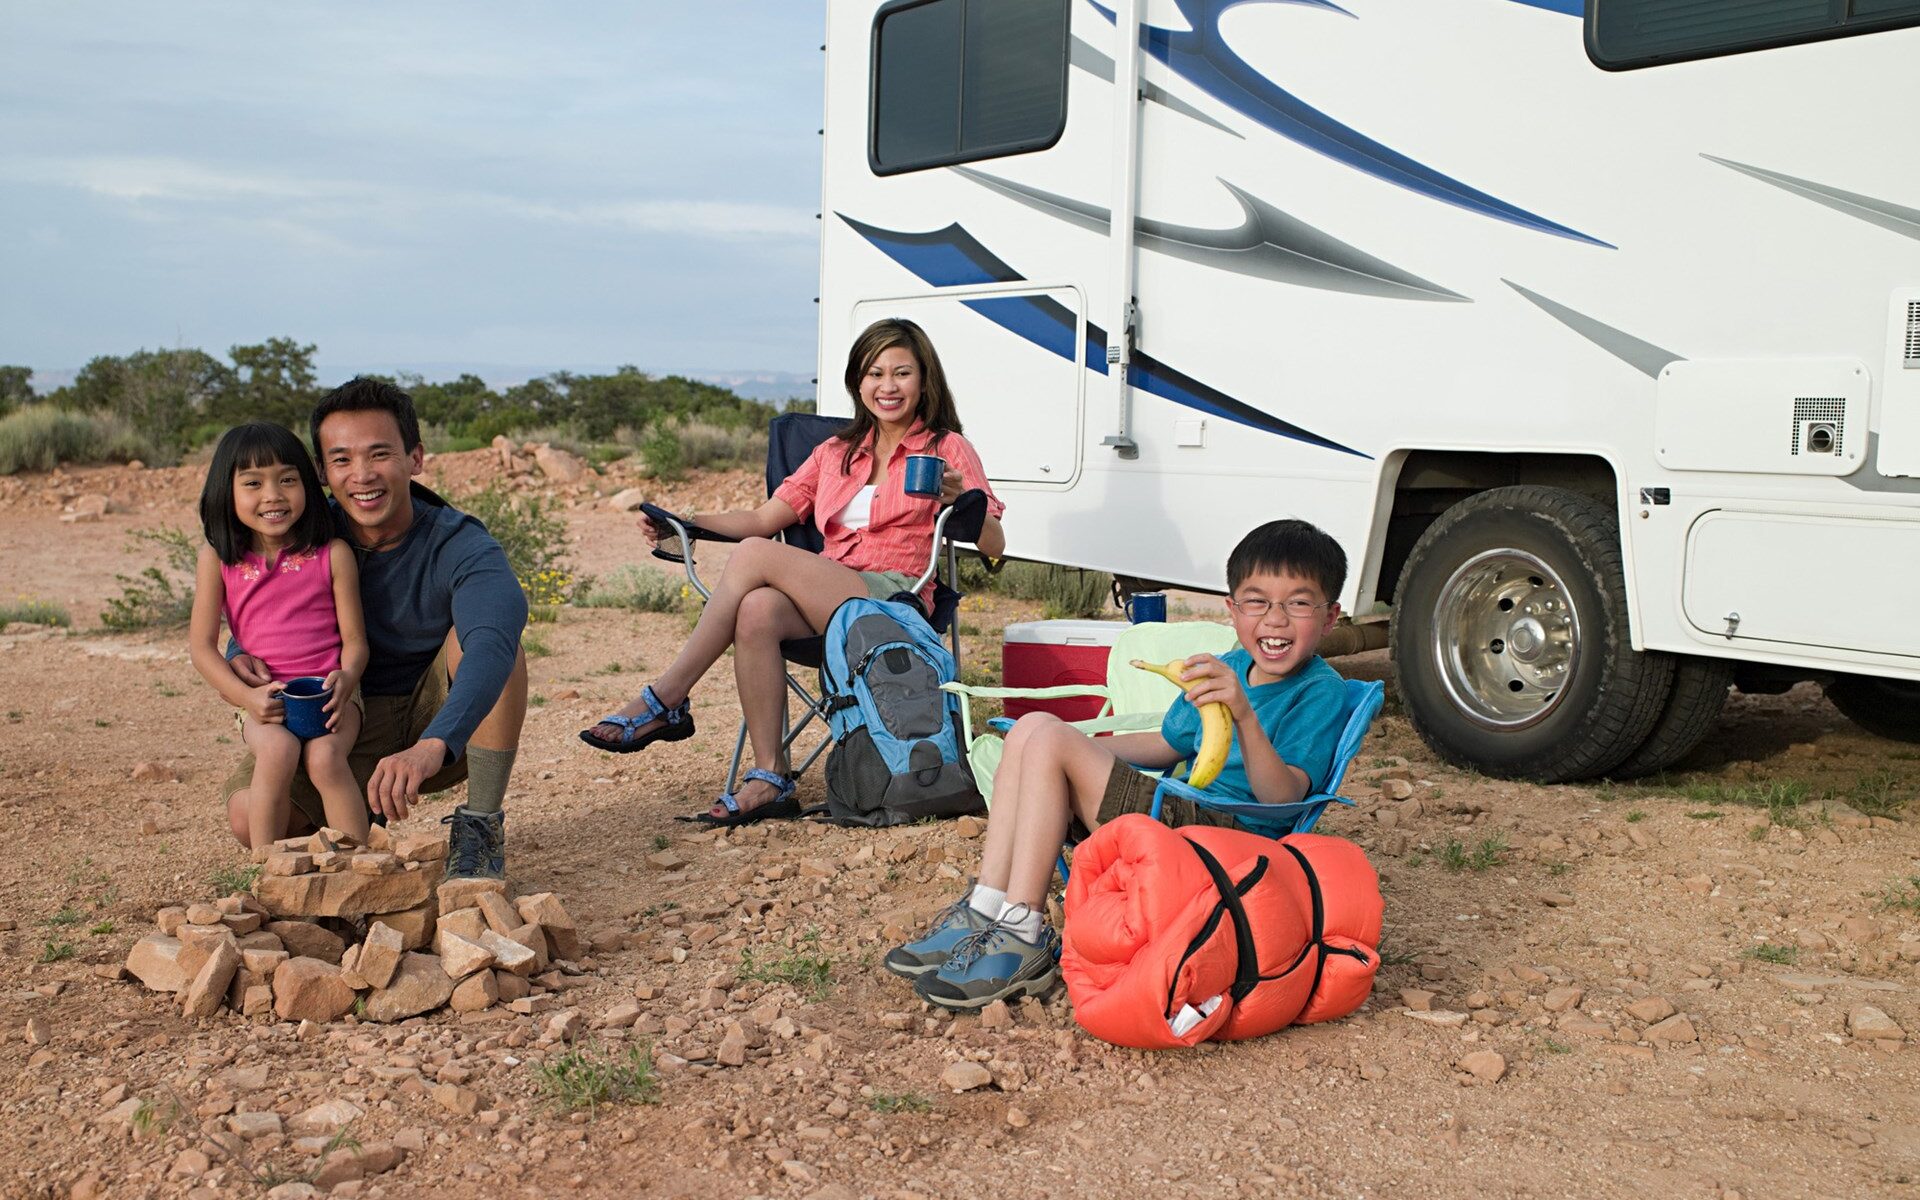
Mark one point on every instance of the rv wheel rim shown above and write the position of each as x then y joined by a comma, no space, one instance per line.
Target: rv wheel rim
1506,638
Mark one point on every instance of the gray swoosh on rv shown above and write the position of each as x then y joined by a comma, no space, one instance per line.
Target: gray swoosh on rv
1267,243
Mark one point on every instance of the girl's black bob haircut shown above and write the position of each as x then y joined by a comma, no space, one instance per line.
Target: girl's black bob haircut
244,447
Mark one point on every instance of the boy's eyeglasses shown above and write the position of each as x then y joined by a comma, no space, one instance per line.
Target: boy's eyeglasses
1298,610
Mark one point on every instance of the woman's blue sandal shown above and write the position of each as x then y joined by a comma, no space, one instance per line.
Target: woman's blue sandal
678,727
783,807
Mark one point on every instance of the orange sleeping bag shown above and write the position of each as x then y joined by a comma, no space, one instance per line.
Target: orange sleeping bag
1179,936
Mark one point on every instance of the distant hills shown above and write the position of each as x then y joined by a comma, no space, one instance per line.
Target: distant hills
770,387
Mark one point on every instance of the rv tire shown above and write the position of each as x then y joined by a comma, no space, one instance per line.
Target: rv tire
1887,707
1699,692
1510,640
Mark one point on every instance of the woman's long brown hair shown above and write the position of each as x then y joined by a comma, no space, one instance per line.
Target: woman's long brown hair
936,409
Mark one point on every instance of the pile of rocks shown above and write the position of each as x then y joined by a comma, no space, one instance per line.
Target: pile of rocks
333,928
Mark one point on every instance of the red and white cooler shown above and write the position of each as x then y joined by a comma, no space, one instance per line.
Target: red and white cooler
1037,654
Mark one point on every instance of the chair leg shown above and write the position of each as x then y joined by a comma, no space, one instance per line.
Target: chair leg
733,768
814,711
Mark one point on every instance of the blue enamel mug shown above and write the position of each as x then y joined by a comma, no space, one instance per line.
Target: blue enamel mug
923,475
1142,607
305,700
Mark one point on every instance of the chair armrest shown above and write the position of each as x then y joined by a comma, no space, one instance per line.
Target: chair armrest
1276,820
1093,726
961,521
1045,693
685,534
967,516
1119,723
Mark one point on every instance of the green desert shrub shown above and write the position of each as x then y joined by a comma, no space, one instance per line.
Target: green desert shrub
40,437
631,585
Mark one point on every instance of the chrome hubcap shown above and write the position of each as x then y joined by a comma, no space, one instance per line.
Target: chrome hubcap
1506,638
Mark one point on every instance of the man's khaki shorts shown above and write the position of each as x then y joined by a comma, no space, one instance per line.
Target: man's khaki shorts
389,725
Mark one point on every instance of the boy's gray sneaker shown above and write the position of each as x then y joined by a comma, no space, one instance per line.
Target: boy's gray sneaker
476,844
930,949
993,964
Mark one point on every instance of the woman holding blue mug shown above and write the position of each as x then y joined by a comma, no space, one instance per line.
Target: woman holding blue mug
879,537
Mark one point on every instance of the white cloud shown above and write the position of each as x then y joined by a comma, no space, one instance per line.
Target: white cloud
146,181
139,179
694,218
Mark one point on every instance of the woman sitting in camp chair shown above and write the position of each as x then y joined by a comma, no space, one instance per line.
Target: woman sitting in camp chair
878,538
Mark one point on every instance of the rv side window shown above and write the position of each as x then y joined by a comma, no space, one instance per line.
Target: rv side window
959,80
1623,34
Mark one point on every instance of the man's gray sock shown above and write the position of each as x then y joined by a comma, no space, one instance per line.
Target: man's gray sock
487,772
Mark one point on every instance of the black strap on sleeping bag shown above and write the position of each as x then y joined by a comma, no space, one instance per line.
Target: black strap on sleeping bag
1246,972
1319,916
1319,925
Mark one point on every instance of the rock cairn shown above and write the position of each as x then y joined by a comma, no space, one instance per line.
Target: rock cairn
333,928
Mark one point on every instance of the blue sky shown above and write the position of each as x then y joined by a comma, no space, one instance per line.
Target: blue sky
564,184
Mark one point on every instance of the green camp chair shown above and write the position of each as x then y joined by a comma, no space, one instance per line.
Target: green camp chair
1135,699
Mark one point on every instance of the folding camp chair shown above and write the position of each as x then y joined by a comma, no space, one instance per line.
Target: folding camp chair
1363,699
1133,699
791,437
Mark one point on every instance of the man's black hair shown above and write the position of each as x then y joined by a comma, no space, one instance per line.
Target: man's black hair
245,447
361,394
1292,546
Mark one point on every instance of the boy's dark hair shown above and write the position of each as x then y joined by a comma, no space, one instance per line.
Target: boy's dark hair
361,394
259,444
1294,546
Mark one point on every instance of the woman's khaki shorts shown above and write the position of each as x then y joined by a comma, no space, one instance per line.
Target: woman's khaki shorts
388,725
884,585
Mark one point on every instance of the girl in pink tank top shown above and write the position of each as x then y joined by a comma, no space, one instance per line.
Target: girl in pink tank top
290,595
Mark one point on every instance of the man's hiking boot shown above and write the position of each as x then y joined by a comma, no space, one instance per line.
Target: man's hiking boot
993,964
931,948
476,845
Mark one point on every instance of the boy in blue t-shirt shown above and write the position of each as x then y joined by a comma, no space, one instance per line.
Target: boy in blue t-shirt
1288,707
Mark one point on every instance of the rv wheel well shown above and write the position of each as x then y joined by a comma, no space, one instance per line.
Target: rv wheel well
1429,482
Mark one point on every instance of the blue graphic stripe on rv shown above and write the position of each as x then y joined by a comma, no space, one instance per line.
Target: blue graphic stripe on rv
1573,8
1200,55
952,257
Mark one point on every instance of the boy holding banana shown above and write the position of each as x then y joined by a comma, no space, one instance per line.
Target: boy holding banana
1279,711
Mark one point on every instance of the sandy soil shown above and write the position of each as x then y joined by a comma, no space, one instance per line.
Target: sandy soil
1763,936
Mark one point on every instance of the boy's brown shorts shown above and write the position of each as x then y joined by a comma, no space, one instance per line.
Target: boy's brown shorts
1131,791
389,724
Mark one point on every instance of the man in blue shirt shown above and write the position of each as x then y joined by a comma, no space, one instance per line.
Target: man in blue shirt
445,690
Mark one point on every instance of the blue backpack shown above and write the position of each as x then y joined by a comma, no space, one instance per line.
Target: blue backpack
897,756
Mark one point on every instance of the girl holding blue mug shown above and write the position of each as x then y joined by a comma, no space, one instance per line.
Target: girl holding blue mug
289,591
875,505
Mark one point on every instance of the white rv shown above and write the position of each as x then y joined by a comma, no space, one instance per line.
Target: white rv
1590,328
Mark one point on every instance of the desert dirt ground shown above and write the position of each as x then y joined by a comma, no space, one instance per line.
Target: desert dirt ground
1554,925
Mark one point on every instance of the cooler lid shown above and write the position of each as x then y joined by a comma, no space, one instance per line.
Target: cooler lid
1065,633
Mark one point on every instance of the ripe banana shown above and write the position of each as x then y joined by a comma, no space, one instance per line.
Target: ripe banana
1216,727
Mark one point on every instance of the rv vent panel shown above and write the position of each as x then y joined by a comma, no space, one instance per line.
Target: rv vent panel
1913,335
1831,410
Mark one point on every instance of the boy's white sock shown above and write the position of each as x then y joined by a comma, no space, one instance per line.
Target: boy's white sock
986,901
1022,921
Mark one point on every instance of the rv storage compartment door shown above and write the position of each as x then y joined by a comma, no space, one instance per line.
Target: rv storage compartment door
1767,416
1011,361
1840,582
1899,450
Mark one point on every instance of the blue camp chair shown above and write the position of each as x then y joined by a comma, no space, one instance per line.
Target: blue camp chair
1364,698
791,437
